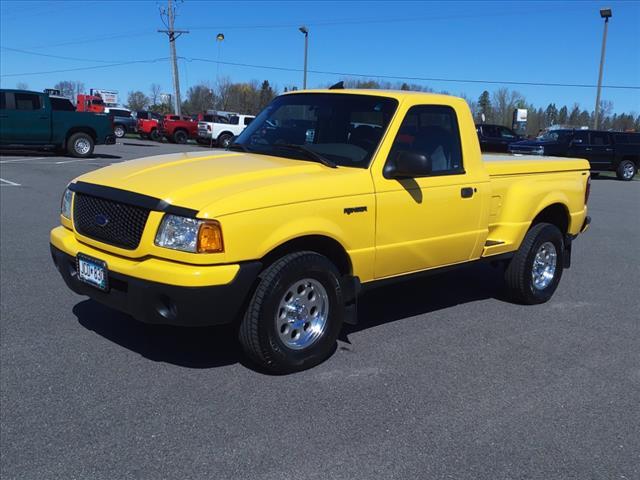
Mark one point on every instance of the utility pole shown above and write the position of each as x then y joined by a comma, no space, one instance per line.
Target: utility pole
305,32
173,36
606,14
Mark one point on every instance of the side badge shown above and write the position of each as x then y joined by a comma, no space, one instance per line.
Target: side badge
350,210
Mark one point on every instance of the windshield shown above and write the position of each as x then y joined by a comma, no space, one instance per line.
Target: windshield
344,128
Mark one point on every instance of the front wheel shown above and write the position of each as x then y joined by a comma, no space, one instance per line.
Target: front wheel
535,270
80,145
295,314
626,170
119,131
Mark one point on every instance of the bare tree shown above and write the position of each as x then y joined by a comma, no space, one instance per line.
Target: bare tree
70,88
137,100
155,92
503,102
22,86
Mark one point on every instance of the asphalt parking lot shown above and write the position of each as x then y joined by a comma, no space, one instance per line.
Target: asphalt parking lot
442,378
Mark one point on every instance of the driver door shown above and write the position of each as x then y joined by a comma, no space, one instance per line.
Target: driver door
434,220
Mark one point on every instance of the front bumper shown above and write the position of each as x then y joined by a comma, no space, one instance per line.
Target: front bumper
160,303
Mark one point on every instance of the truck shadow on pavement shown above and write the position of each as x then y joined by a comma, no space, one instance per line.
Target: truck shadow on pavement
208,347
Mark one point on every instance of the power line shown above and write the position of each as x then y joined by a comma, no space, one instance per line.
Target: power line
424,79
27,52
344,74
94,67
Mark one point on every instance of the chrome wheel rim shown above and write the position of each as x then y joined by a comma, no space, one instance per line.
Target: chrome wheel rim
301,318
82,146
226,141
119,131
544,266
628,170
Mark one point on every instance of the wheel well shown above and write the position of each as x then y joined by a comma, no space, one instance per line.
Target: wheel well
632,158
87,130
180,130
225,133
556,214
326,246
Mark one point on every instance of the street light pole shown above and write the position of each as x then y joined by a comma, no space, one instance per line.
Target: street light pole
305,30
606,14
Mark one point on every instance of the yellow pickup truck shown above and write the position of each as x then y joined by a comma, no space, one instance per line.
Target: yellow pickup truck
325,193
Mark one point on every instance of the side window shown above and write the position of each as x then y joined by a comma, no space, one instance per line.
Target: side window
247,120
583,138
432,131
234,120
599,138
27,101
490,131
506,133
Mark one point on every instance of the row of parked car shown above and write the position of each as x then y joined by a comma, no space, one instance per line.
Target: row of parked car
606,151
207,129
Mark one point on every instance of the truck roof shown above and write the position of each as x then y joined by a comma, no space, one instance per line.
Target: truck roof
397,94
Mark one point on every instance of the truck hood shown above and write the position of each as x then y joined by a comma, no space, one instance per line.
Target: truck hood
218,184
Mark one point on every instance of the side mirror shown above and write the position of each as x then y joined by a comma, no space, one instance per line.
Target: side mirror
408,165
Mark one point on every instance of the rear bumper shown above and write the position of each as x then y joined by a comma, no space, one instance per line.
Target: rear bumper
159,303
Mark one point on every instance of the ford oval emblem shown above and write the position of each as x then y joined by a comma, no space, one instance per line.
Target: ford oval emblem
101,220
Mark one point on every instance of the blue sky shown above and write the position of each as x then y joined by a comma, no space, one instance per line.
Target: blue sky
544,42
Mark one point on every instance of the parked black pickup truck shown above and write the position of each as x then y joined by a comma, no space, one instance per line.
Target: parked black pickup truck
32,120
495,138
606,151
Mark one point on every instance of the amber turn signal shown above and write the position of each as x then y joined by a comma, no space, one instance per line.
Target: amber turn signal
210,237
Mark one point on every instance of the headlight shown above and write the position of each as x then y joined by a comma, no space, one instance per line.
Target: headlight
65,204
189,234
540,150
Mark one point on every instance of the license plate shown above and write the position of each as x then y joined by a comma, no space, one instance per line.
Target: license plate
92,271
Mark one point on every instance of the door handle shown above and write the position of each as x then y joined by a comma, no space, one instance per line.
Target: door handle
467,192
608,149
588,149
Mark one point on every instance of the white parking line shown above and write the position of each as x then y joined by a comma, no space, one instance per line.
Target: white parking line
15,160
8,183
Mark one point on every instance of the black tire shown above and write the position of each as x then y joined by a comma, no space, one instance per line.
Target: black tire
180,136
258,332
224,140
626,170
80,145
119,130
155,135
518,276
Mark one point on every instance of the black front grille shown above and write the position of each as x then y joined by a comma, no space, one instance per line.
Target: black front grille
110,222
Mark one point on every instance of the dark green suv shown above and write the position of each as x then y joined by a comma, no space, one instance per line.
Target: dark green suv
30,120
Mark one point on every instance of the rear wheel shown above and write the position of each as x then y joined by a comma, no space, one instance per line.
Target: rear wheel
119,131
295,314
224,140
180,136
80,145
155,135
626,170
535,270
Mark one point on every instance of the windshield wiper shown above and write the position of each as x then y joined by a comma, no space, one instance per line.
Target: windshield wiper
238,146
315,156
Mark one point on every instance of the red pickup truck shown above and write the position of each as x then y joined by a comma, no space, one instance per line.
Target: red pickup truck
178,129
148,125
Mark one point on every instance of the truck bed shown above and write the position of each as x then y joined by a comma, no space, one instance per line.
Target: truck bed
499,165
